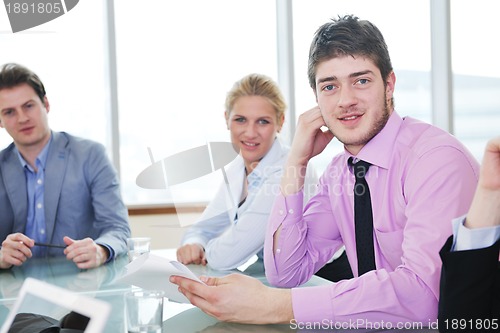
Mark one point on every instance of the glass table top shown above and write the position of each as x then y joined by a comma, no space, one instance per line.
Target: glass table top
101,283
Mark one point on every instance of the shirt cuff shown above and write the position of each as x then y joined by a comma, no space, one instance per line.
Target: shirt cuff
110,250
195,240
312,304
286,210
472,239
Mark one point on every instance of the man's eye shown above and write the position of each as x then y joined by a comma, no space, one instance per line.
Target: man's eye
363,81
328,87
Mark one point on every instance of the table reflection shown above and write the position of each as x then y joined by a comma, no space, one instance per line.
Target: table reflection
96,282
101,283
194,320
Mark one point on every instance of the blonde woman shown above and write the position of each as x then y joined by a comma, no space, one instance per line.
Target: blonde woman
232,228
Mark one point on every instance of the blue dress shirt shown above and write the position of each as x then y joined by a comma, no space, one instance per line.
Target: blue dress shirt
35,182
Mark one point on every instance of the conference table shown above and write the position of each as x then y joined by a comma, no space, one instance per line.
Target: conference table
101,283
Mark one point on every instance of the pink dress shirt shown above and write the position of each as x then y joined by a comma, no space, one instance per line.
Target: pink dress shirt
421,178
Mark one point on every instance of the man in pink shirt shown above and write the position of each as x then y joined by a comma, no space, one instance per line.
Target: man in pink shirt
419,178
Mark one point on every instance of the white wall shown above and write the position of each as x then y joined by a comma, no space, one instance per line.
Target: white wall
164,229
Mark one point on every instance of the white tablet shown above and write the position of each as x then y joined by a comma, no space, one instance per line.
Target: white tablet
40,298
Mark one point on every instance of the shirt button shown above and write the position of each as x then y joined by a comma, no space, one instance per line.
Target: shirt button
278,250
290,211
281,211
39,205
42,231
39,182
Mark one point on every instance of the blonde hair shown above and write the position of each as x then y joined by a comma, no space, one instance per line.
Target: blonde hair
257,85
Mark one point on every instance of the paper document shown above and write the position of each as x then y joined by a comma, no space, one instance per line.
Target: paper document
153,273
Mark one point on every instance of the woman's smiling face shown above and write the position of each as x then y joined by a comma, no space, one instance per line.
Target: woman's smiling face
253,124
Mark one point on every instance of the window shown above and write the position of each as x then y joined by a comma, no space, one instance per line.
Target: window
69,55
476,79
176,63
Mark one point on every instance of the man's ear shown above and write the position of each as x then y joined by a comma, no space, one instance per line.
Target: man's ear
391,83
46,104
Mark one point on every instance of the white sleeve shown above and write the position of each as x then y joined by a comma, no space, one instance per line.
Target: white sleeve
471,239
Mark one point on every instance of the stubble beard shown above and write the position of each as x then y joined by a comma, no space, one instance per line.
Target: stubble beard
377,127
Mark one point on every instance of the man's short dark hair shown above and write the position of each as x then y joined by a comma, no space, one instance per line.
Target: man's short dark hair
13,74
348,36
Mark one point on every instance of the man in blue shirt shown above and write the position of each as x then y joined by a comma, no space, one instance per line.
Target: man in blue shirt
54,188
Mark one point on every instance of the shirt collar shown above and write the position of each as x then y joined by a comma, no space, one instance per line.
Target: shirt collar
268,160
378,150
42,157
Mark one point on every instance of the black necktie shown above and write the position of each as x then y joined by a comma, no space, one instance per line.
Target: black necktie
363,218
